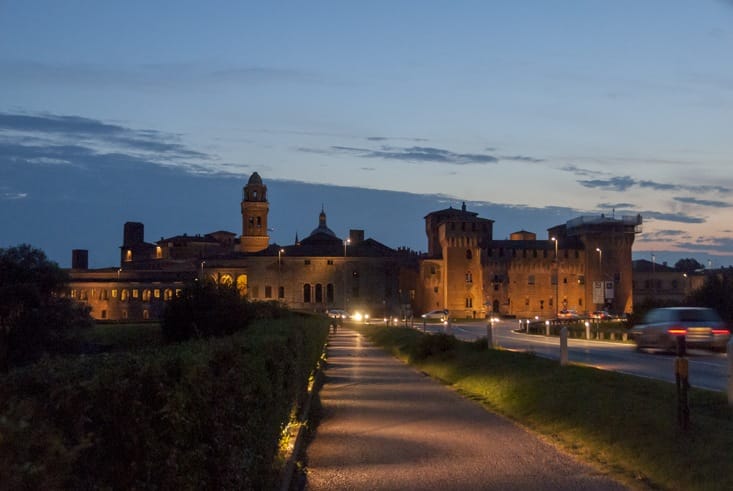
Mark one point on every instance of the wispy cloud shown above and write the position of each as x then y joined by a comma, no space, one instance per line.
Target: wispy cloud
158,76
49,139
623,183
671,217
704,202
418,154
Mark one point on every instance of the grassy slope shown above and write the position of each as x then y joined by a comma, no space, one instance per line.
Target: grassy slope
626,424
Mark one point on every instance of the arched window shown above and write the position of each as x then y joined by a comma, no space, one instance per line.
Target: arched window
146,295
319,293
168,294
125,294
329,293
146,314
226,280
469,302
307,293
469,277
242,284
469,254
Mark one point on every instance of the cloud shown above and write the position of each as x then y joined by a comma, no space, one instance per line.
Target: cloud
623,183
418,154
615,183
149,76
387,138
522,158
48,139
615,206
671,217
704,202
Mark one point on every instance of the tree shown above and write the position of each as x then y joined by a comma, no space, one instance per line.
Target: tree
202,311
688,265
34,318
716,293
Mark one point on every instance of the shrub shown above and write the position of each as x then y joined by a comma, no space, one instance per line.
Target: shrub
200,414
432,345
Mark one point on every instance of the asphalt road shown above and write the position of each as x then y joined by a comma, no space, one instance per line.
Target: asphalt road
708,370
386,426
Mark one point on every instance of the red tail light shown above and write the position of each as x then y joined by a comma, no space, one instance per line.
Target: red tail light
677,331
721,332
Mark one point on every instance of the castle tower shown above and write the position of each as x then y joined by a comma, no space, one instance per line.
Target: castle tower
456,239
254,216
608,242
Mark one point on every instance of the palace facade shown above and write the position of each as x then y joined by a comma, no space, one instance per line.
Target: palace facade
584,264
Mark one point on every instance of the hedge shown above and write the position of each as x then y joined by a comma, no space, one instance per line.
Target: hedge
201,414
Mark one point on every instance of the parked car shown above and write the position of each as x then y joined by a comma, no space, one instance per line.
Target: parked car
701,326
441,315
337,314
568,314
601,315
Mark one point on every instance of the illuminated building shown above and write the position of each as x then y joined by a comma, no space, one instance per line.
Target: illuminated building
465,270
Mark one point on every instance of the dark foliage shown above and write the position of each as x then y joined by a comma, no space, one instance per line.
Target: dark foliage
202,311
206,414
34,319
716,293
436,344
688,265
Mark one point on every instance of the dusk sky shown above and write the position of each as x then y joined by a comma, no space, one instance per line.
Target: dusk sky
532,112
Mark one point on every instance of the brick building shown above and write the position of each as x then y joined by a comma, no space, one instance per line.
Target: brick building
584,264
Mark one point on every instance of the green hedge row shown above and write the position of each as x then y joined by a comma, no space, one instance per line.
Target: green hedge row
201,414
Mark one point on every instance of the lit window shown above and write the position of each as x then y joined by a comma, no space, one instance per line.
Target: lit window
469,277
128,255
114,293
156,293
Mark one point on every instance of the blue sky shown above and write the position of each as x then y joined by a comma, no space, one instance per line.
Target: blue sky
531,111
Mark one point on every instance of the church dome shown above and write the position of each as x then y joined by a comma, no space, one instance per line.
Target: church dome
322,227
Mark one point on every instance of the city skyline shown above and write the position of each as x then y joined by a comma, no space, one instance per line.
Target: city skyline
531,113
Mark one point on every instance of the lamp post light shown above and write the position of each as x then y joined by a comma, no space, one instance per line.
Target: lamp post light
557,278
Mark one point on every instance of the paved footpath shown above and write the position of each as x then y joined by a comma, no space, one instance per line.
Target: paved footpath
387,426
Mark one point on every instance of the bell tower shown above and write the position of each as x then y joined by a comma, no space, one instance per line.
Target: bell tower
254,216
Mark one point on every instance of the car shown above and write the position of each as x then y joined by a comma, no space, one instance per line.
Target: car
661,327
337,314
567,314
601,315
359,316
441,315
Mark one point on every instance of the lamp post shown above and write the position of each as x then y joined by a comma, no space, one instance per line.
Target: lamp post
346,242
600,273
654,286
202,271
279,280
557,278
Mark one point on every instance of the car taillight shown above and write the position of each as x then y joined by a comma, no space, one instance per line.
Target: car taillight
677,331
721,332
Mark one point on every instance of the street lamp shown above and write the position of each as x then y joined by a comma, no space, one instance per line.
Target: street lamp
600,273
557,278
202,271
279,275
346,242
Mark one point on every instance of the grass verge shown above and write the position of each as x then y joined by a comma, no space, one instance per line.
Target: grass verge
624,424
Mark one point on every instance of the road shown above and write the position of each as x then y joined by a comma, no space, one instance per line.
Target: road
707,370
